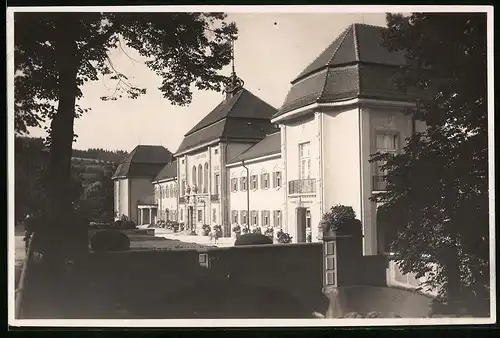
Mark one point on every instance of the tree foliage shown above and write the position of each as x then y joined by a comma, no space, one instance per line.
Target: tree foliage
55,54
437,188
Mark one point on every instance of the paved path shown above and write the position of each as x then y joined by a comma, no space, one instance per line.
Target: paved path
202,240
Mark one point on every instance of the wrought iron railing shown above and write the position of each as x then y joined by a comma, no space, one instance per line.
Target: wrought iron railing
379,183
214,197
182,200
304,186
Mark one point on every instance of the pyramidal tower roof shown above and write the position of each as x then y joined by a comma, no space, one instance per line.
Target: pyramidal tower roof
143,161
355,64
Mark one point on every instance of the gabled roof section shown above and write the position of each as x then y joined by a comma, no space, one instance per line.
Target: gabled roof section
270,145
169,171
354,65
143,161
241,116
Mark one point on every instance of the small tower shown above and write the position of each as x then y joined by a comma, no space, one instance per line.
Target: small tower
234,84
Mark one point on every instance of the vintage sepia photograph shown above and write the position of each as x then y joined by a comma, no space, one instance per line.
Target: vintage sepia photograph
229,166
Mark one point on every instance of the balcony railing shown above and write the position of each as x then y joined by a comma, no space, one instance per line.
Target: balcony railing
379,183
214,197
182,200
146,201
305,186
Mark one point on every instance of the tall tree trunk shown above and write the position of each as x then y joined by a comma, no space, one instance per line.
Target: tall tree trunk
58,231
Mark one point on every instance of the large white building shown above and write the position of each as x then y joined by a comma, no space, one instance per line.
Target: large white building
248,163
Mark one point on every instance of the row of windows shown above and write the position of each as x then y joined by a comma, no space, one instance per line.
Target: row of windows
166,192
240,217
254,182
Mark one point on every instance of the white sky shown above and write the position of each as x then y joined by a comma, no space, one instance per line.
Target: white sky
272,48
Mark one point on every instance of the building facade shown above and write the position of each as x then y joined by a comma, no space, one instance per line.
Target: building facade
249,164
133,188
341,109
256,189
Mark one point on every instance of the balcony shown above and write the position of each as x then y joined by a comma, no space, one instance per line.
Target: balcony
214,197
146,201
301,187
379,183
182,199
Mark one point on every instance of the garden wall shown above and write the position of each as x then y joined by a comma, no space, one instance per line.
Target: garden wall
270,281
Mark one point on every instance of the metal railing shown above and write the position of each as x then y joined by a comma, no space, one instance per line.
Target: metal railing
214,197
304,186
379,183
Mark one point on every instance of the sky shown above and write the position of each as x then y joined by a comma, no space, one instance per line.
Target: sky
271,50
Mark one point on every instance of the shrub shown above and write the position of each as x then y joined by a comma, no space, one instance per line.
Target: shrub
109,240
129,225
257,230
245,230
342,218
253,239
269,232
117,223
237,228
283,237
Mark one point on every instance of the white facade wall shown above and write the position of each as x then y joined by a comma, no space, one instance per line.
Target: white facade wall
122,204
261,199
166,199
375,120
305,130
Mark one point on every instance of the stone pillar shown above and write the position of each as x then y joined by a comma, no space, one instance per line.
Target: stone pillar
341,254
140,216
300,218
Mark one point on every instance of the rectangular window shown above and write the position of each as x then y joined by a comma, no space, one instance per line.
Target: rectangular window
384,143
304,160
265,217
243,217
243,183
253,182
264,181
234,217
277,218
255,217
277,179
234,184
214,215
217,184
200,216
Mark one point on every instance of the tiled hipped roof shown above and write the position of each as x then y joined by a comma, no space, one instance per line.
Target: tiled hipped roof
168,172
242,116
143,161
354,65
270,145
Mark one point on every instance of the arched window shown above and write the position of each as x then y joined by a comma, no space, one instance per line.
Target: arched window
200,177
205,181
193,179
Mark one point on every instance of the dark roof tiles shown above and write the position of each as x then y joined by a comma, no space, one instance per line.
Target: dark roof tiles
354,65
143,161
230,120
270,145
169,171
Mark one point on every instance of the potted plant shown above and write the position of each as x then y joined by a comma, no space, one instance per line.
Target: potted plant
205,229
269,232
236,231
217,229
283,237
257,230
245,230
340,221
